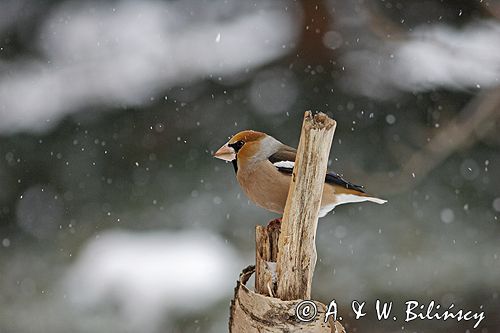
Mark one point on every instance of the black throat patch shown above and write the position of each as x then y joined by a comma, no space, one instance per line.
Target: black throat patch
236,146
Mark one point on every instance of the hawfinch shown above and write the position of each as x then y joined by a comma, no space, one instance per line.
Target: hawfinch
263,167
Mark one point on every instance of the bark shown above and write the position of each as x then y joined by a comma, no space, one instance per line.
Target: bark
255,313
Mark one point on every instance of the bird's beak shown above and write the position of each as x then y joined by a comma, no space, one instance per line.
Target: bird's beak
225,153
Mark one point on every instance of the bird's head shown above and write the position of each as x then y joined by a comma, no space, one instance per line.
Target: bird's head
245,142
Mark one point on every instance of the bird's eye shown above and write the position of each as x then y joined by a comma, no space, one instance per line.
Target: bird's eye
237,145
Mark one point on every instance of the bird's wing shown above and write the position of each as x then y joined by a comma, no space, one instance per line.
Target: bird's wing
284,160
334,178
284,154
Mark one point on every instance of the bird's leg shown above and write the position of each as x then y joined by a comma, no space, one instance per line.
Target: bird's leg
275,222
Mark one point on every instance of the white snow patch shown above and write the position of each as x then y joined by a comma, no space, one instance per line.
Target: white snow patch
126,52
151,275
429,58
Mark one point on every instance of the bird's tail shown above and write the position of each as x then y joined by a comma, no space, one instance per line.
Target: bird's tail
343,198
357,197
375,199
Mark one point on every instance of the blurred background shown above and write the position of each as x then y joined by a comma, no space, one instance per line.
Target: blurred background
114,217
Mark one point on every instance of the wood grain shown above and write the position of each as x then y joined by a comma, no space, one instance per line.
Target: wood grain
266,246
255,313
297,250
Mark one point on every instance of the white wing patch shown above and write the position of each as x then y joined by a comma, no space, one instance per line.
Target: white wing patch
284,164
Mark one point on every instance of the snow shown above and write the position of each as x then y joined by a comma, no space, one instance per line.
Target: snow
98,56
390,119
447,215
430,57
152,275
496,204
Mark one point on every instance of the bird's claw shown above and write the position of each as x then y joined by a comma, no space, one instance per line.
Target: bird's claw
275,222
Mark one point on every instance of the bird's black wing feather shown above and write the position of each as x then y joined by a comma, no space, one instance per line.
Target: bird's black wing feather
289,153
334,178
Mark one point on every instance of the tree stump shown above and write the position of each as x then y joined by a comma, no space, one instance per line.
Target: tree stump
286,252
255,313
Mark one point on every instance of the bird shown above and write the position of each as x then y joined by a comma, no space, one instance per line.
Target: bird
264,167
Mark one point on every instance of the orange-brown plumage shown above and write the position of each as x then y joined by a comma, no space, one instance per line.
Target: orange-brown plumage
247,136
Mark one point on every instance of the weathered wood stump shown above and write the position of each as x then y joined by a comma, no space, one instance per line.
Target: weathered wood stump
252,313
286,252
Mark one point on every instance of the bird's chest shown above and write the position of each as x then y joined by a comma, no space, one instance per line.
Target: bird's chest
265,185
